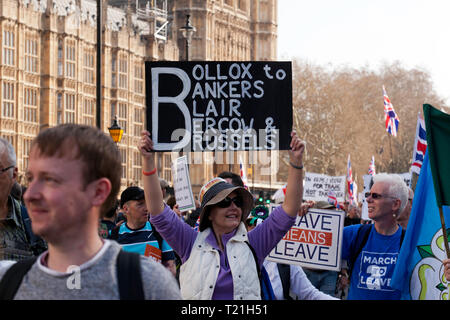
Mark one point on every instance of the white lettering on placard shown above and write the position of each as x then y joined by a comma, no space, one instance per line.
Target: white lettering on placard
177,100
217,121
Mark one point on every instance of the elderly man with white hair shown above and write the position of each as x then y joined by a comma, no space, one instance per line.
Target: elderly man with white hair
403,218
372,250
14,242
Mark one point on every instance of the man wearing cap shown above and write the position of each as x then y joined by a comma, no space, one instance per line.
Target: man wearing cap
222,261
137,234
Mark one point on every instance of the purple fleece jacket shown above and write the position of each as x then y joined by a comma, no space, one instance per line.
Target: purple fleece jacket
181,237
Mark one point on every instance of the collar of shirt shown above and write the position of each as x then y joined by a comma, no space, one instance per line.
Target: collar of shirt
211,239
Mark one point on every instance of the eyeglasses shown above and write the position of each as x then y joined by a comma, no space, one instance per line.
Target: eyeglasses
377,195
6,169
225,203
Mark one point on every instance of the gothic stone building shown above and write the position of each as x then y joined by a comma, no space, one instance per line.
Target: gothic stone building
48,65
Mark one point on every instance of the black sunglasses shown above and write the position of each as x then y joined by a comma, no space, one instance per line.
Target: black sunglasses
6,169
225,203
376,195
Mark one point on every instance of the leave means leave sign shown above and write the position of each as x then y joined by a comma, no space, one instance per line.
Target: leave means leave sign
315,241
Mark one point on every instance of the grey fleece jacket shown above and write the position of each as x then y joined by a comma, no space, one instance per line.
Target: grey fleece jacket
97,279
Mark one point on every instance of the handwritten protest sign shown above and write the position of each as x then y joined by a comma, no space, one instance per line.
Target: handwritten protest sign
315,241
182,184
221,106
317,186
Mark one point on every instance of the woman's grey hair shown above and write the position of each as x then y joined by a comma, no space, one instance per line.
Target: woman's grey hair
397,187
7,151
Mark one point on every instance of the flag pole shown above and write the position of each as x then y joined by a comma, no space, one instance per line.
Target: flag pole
444,232
392,159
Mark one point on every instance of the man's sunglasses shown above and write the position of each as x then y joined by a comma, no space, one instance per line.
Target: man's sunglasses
6,169
376,195
225,203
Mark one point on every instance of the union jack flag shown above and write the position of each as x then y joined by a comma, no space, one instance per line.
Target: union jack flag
390,116
372,166
332,199
197,225
350,194
420,145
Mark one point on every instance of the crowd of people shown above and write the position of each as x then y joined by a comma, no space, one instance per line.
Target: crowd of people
70,235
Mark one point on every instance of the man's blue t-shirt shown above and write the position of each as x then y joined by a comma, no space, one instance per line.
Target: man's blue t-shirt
374,267
138,240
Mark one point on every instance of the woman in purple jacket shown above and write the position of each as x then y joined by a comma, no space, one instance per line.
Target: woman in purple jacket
218,262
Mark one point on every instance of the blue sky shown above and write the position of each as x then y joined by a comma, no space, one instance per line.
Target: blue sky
369,32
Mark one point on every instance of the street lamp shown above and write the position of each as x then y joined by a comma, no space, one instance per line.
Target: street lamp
99,64
187,31
116,131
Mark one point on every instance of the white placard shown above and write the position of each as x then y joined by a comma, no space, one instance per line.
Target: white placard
315,241
317,186
182,185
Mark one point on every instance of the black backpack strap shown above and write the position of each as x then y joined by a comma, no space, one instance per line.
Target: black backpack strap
13,277
258,268
358,244
256,259
402,236
158,237
264,280
129,276
114,233
285,275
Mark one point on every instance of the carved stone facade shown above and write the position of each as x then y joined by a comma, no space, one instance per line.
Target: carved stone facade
48,64
231,30
48,71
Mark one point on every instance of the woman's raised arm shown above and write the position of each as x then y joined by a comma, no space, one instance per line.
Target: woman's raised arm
294,189
152,188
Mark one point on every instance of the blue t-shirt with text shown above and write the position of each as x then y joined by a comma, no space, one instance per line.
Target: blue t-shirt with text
373,268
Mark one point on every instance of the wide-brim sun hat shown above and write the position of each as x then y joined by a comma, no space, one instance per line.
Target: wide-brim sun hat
214,191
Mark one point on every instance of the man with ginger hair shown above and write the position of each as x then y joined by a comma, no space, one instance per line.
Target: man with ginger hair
74,176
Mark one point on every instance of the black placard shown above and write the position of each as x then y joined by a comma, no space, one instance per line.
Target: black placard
226,105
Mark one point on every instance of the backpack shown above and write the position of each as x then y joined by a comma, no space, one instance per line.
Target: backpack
360,241
285,276
128,267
